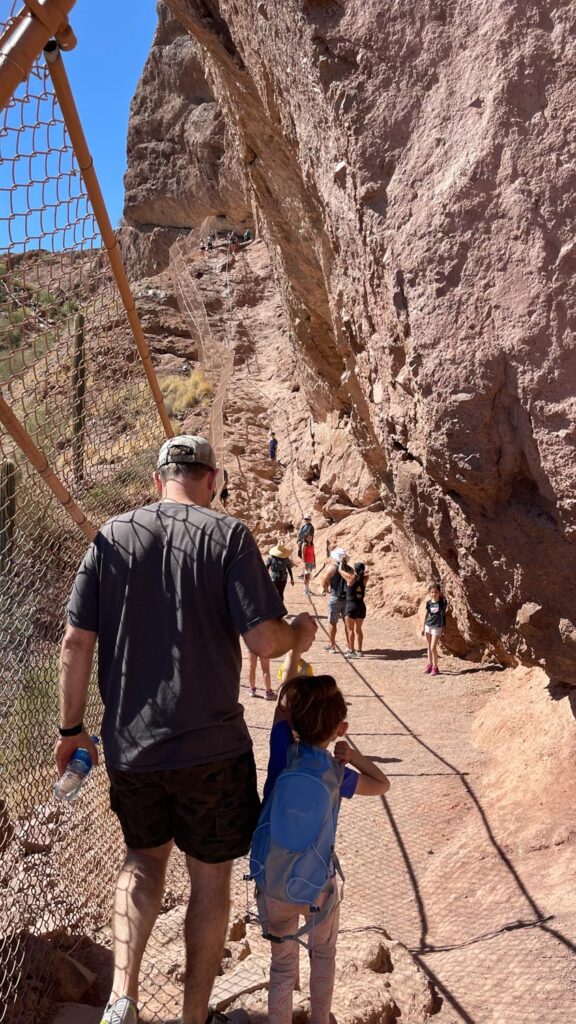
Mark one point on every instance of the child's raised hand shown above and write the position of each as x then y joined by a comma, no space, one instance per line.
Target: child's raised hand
343,751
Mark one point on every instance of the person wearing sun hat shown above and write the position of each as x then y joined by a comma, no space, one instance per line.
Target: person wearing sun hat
335,586
167,590
280,567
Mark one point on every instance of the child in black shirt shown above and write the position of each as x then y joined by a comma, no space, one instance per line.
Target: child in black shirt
434,625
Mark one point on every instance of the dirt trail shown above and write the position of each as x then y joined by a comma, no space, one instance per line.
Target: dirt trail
425,863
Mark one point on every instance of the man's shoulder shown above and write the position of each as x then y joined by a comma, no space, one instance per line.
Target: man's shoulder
144,513
129,518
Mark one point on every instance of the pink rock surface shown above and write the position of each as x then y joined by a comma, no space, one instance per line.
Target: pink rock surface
178,172
413,171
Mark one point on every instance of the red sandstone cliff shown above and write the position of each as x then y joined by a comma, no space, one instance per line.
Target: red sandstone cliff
414,176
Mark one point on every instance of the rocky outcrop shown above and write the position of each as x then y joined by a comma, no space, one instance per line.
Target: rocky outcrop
414,180
180,170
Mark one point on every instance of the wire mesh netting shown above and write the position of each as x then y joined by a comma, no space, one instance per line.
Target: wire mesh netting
216,358
70,372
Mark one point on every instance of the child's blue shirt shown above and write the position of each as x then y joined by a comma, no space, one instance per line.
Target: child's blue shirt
281,739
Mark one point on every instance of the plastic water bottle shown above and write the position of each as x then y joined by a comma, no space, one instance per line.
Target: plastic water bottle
77,771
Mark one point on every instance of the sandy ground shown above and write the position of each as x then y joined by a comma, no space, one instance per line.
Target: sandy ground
434,864
425,863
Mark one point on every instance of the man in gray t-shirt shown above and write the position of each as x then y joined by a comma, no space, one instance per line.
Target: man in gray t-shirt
167,590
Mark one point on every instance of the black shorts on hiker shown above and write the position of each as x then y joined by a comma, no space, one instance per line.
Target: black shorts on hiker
355,611
210,810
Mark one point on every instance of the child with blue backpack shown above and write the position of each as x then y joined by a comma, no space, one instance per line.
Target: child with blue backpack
292,858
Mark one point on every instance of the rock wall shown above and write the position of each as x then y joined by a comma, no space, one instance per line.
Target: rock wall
414,175
180,168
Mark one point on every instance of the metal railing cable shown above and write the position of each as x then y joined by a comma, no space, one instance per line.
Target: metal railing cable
216,358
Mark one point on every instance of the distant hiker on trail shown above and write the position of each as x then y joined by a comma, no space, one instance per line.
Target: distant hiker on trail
305,543
355,608
335,586
280,567
265,666
292,857
166,590
247,236
306,530
434,625
309,559
272,446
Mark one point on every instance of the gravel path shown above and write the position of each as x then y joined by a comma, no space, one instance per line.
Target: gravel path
425,863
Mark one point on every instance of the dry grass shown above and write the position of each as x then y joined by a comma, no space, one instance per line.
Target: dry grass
183,393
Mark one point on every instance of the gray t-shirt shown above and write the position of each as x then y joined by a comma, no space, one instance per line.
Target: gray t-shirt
169,588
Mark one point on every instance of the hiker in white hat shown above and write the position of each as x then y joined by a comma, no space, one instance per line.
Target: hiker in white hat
280,567
335,586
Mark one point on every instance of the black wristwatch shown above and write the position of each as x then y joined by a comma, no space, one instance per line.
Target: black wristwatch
74,731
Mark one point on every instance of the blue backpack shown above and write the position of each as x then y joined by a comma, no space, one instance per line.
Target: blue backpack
292,855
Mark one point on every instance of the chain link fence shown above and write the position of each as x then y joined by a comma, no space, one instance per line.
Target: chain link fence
216,358
71,375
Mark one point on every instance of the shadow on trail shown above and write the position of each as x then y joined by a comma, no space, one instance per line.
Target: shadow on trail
538,919
389,652
444,992
472,671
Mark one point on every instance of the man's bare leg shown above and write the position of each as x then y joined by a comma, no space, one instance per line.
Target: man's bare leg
205,934
136,906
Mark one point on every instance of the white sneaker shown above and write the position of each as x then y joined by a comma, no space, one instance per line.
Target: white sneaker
121,1011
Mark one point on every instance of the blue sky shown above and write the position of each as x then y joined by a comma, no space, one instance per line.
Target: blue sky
114,38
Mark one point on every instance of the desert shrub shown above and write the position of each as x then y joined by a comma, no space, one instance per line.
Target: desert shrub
12,335
183,393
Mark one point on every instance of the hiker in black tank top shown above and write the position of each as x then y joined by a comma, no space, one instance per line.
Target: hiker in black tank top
355,609
335,586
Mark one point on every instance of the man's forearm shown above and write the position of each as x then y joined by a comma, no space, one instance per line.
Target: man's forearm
76,657
272,638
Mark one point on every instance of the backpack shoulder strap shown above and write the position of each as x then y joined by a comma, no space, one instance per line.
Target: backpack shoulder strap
317,914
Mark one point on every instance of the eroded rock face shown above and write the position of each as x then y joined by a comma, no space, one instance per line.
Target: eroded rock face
414,172
179,170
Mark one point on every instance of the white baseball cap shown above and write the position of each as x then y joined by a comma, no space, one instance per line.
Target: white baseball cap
338,554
